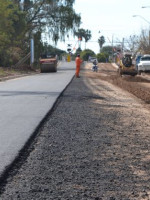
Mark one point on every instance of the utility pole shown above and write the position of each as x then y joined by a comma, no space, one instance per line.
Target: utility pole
112,44
32,51
79,42
149,37
122,44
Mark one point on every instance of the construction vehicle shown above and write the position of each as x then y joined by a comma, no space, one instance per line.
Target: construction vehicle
48,63
125,64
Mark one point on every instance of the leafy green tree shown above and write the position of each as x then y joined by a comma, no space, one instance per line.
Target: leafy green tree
102,57
6,25
22,19
86,53
44,48
78,51
9,29
56,17
107,49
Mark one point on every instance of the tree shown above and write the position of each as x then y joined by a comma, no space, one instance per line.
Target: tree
9,29
109,51
22,19
82,33
133,43
87,36
6,25
56,17
139,43
86,53
78,51
102,57
101,41
143,42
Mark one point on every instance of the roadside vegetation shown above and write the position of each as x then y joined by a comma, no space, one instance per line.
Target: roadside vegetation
137,44
25,19
55,19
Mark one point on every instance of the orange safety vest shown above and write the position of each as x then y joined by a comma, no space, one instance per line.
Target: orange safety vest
78,61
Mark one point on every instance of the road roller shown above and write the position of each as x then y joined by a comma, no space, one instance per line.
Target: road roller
48,63
125,64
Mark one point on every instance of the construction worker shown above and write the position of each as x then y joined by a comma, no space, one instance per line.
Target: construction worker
78,63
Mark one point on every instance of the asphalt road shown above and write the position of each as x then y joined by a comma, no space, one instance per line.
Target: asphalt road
24,102
95,145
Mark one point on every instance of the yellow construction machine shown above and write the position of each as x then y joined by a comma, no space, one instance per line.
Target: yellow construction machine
125,64
48,63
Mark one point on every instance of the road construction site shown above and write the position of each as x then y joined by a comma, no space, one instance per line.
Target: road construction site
93,145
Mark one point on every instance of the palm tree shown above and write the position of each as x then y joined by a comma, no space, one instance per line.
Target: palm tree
101,41
87,36
82,33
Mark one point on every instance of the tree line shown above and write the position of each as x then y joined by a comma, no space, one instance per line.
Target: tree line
23,19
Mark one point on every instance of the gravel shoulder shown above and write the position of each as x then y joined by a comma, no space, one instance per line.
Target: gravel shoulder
94,145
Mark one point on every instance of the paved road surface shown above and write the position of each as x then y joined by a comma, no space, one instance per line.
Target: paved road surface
24,102
95,145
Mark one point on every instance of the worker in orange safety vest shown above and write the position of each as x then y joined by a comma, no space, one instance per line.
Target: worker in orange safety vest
78,63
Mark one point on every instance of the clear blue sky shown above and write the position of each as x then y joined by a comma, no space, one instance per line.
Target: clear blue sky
113,18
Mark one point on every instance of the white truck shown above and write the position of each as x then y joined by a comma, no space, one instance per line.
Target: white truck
144,64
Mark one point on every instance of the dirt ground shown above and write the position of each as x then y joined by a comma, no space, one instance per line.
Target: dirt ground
11,73
137,85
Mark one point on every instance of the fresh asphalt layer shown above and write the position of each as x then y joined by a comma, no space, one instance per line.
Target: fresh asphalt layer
24,102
